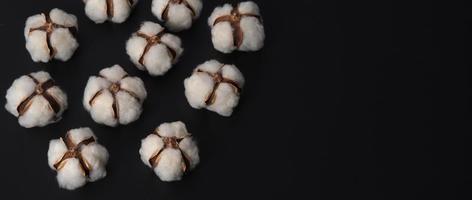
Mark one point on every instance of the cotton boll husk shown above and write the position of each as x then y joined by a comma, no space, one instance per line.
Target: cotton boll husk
169,166
62,41
96,10
129,107
252,28
39,113
157,60
179,17
71,175
199,86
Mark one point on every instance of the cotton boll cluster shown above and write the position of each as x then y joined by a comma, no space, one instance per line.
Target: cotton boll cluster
214,86
237,27
153,50
113,97
178,15
170,151
77,158
36,100
116,11
50,35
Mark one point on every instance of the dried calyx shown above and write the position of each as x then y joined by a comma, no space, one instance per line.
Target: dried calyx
114,88
165,13
49,26
235,20
170,142
218,79
41,89
154,40
74,151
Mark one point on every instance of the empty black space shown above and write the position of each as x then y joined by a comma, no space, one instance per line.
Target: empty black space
347,100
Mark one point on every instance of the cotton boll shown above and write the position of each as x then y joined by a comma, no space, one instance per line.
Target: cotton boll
237,27
114,97
36,100
178,15
116,11
154,50
214,86
170,151
71,177
77,158
50,35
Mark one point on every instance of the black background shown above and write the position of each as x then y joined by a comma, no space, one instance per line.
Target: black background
347,99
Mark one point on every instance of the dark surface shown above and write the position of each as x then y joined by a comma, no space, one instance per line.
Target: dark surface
355,100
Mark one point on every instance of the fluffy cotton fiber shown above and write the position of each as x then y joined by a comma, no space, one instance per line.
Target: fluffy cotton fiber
77,158
170,151
50,35
113,97
36,100
153,50
116,11
177,14
214,86
237,27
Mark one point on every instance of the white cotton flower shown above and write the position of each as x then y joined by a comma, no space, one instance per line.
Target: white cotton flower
113,97
237,27
170,151
50,35
36,100
153,50
77,158
178,15
214,86
116,11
